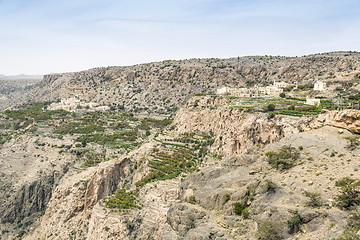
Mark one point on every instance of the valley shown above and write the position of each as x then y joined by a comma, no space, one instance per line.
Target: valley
155,151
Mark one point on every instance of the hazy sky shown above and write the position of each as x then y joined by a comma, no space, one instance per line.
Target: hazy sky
44,36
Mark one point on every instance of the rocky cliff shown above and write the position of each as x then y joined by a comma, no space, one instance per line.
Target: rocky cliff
235,131
347,119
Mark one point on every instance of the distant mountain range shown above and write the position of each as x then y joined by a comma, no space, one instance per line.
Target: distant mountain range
20,76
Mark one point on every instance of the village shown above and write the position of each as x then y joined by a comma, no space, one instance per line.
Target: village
271,91
74,104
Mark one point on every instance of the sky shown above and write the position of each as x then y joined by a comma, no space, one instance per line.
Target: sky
52,36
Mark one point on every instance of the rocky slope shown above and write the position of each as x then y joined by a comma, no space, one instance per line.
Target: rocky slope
41,179
13,91
201,205
162,87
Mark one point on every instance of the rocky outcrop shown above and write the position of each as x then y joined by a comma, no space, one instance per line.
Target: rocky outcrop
235,131
348,119
73,201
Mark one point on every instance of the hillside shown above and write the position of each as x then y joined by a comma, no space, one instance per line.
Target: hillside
163,87
132,153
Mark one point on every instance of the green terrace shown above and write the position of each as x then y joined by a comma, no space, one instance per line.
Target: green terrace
176,156
113,129
282,106
172,157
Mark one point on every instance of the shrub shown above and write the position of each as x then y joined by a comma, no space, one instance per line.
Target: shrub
353,227
269,230
239,209
192,199
354,142
284,159
270,186
294,223
349,196
314,199
270,107
226,197
282,95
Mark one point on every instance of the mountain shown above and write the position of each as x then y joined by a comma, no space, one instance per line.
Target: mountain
152,152
20,76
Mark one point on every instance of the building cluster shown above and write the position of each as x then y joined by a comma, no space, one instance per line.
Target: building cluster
256,91
74,104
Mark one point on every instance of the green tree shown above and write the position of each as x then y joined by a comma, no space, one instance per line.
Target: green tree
270,107
294,223
349,196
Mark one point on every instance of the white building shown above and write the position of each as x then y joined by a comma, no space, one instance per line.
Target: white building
320,86
281,84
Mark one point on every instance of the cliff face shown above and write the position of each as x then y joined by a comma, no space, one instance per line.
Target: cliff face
235,131
347,119
69,212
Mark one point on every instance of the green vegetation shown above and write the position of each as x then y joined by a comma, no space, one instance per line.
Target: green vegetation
270,186
269,230
175,158
291,106
284,159
192,199
353,227
270,107
34,113
314,199
113,129
227,197
110,139
123,199
294,223
354,142
349,196
239,209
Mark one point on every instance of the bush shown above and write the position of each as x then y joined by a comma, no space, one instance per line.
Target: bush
354,142
270,107
314,199
349,196
269,230
226,197
239,209
192,199
353,227
282,95
294,223
270,186
284,159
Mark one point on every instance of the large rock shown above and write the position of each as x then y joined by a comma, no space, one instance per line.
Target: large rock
348,119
